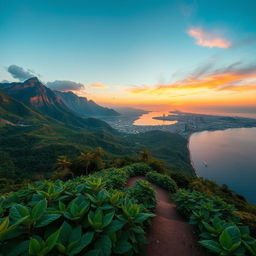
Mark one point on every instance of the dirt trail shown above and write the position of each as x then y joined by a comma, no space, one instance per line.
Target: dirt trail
169,234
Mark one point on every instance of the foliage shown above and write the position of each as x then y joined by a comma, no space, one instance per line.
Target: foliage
82,216
163,181
144,193
217,222
246,210
182,179
114,178
139,169
168,147
7,167
248,219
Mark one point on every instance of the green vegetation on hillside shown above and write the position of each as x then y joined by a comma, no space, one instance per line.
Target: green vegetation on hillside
89,215
218,224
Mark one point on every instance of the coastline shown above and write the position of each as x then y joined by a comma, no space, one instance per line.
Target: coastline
190,158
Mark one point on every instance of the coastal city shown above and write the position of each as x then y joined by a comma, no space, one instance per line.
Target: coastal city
182,123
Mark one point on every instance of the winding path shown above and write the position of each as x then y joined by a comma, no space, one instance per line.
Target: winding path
169,234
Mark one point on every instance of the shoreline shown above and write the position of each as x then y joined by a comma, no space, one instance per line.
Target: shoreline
232,134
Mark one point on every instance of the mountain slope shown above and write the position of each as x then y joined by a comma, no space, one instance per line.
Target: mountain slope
84,107
16,113
34,141
37,96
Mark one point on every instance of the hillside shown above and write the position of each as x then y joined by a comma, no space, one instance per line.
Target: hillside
132,210
34,140
83,106
169,147
16,113
35,95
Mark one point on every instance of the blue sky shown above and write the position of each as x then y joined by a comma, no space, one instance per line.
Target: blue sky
124,43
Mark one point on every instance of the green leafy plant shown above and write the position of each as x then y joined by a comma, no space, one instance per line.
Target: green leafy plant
39,247
232,241
217,222
88,215
162,180
144,193
139,169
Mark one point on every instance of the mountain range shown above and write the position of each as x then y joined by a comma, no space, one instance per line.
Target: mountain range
83,106
40,98
37,126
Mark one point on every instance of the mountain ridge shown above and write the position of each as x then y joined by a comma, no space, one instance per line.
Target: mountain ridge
83,106
40,98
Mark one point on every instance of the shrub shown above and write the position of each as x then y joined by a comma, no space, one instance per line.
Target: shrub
217,222
182,179
76,217
144,193
248,219
139,169
157,165
163,181
114,178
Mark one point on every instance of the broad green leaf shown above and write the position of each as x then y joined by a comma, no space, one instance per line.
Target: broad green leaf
142,217
114,226
4,224
61,206
76,234
66,230
47,219
234,233
74,209
251,248
225,240
51,240
34,246
19,249
39,209
122,247
61,248
98,218
85,240
209,227
104,244
108,218
18,211
211,245
138,230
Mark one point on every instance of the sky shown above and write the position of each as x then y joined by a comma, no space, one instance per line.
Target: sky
144,53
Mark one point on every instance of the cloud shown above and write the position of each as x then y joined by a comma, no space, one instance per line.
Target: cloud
65,85
206,39
98,85
230,78
20,73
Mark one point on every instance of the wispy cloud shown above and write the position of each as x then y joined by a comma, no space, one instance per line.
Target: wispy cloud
208,39
65,85
20,73
230,78
99,85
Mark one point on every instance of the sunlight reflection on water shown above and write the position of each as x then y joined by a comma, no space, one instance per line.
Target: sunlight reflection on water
147,119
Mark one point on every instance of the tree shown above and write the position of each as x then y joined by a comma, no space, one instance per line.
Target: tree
86,159
99,152
8,169
144,155
63,168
